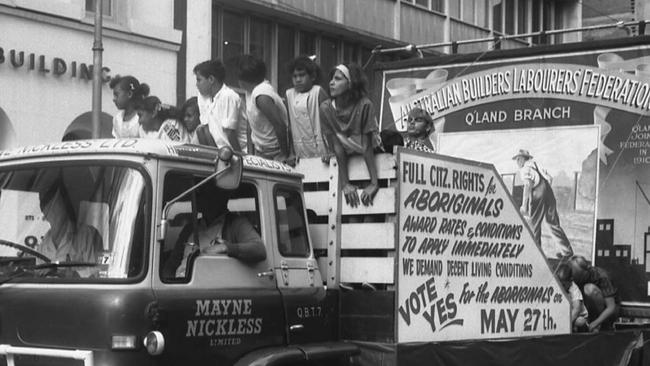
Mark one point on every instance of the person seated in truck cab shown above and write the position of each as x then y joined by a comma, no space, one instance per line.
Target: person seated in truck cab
218,232
66,241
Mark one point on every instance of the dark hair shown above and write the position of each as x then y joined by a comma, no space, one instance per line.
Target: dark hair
358,82
307,64
418,112
581,261
192,102
130,83
251,69
564,272
149,104
211,68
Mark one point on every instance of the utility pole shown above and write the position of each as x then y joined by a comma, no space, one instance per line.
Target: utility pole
98,48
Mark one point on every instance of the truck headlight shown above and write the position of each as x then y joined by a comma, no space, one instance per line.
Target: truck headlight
154,342
123,342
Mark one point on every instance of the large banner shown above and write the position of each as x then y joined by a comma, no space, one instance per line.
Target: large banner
532,103
468,266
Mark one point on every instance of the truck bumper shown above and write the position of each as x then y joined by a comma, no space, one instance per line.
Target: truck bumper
299,352
10,351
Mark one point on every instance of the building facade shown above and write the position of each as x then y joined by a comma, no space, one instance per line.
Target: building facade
46,62
46,45
348,30
601,12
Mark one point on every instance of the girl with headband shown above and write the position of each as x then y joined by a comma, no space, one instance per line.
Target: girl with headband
349,124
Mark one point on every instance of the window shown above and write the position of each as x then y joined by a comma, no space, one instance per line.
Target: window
328,54
468,10
286,53
191,220
547,20
497,24
107,7
350,53
94,213
536,26
485,19
454,8
522,16
260,40
233,44
307,43
292,231
424,3
510,17
438,5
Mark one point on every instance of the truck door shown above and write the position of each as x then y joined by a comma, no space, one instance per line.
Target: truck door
309,318
219,307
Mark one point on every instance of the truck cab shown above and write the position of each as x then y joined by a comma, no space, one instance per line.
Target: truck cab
90,230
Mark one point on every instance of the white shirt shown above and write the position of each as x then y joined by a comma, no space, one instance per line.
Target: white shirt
76,245
207,237
221,112
262,133
125,129
304,114
529,173
576,295
170,130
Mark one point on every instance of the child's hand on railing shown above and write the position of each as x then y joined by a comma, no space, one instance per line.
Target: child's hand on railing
368,194
351,195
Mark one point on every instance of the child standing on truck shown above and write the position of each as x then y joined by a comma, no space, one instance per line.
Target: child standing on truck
159,122
191,119
350,127
303,101
127,93
220,107
266,112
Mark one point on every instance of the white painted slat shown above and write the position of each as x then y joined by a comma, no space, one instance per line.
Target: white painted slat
317,201
385,164
313,169
372,270
384,203
379,235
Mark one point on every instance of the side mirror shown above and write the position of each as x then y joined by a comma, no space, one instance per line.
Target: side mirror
231,167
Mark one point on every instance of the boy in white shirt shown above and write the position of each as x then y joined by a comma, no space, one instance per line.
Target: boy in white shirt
219,106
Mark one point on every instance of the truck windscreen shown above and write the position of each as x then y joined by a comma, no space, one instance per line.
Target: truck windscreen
73,222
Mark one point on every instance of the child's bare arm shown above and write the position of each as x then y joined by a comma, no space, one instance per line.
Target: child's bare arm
349,190
370,191
270,110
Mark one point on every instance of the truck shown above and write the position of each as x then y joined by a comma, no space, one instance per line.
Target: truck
440,265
